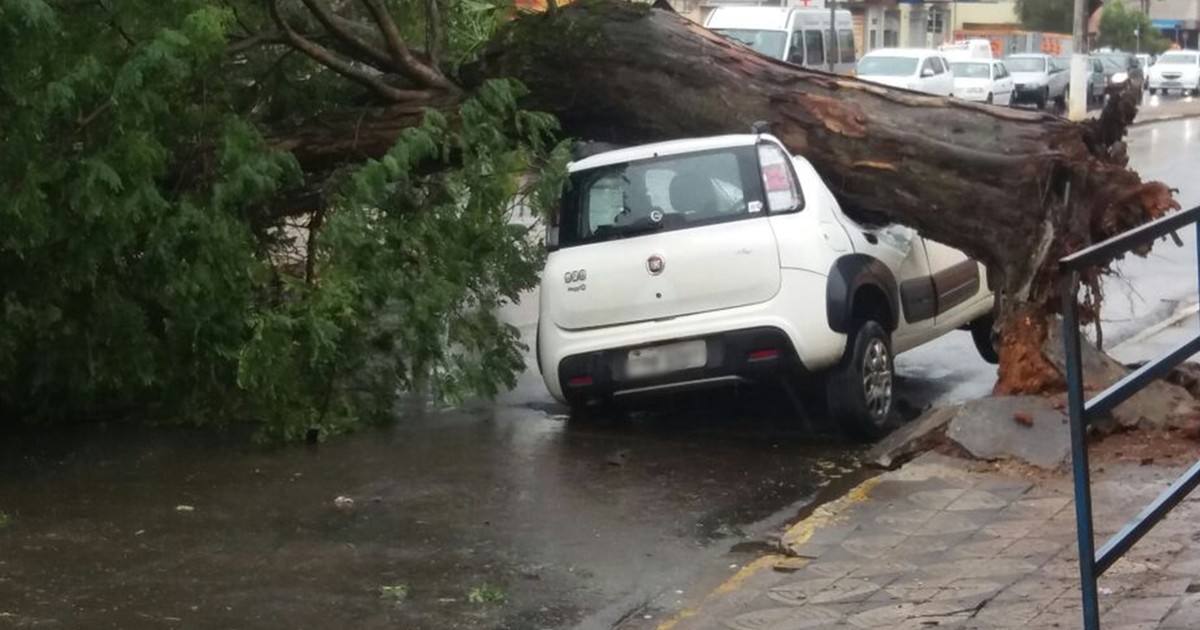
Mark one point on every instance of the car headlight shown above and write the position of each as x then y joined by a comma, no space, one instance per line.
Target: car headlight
1119,77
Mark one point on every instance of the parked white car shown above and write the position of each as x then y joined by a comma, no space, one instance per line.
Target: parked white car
985,81
916,69
1038,79
1175,70
714,261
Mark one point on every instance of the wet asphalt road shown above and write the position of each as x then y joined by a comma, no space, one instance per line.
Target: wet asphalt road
601,525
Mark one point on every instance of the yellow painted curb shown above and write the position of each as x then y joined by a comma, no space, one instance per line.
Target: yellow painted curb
795,536
827,514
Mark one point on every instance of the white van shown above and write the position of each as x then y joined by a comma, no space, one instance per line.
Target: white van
797,35
967,50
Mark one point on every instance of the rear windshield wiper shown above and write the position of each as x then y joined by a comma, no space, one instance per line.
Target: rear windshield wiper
642,226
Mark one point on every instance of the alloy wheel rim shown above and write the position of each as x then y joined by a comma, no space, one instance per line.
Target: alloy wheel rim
877,380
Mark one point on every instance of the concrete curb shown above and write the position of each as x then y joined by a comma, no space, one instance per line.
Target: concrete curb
1181,313
1171,118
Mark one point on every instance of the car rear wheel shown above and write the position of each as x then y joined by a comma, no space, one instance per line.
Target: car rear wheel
989,99
858,390
1153,91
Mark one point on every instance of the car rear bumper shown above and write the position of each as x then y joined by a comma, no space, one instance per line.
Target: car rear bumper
745,355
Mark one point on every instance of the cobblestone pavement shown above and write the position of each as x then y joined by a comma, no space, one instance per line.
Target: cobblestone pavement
945,543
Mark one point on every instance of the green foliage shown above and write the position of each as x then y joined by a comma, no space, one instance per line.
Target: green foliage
1053,16
394,592
486,595
1120,28
412,271
140,272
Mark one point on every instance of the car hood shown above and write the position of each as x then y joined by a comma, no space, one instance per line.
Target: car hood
899,82
1029,77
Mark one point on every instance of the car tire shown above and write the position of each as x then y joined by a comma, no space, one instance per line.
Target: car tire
988,100
1043,99
1153,91
858,390
985,340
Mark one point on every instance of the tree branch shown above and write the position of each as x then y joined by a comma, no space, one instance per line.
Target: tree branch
433,34
246,43
408,63
328,59
362,49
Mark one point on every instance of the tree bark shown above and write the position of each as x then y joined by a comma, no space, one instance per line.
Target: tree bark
1014,189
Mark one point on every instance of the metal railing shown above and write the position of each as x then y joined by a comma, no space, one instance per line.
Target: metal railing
1092,564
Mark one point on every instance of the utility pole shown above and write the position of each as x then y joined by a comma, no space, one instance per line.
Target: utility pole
831,49
1077,106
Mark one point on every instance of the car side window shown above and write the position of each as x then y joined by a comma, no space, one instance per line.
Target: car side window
783,193
927,67
814,46
796,49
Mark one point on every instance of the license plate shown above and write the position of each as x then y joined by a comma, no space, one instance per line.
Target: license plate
1171,83
658,360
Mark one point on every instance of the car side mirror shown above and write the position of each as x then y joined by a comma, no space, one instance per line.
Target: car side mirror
927,72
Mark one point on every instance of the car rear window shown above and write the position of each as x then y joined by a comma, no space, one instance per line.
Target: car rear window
661,194
966,70
1025,64
881,66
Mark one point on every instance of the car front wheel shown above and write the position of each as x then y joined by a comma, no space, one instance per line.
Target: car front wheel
858,390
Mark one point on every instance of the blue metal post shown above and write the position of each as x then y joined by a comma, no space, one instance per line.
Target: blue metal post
1079,455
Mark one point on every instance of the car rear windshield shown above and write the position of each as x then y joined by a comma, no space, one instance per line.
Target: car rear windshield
964,70
661,194
1177,59
881,66
769,43
1025,64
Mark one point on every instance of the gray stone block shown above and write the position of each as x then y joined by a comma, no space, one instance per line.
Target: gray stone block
988,429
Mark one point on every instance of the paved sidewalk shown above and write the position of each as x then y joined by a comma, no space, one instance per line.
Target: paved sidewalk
948,543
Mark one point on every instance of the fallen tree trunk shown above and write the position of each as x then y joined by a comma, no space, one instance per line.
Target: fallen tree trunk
1014,189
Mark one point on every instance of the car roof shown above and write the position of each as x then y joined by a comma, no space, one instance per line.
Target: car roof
902,52
670,147
1029,55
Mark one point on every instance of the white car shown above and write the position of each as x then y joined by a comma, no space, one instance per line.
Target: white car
1175,70
986,81
916,69
714,261
1038,79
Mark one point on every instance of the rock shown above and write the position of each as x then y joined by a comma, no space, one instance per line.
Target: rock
343,503
912,439
1160,405
1023,419
985,429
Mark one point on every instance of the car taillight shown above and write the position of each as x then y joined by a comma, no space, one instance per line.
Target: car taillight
762,355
